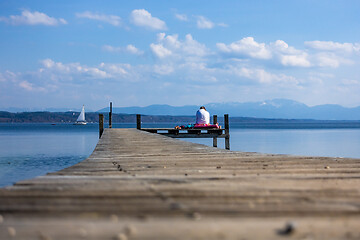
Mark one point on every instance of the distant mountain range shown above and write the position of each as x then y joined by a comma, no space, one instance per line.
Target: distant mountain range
276,108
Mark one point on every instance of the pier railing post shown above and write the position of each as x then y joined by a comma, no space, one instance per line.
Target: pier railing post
101,124
110,116
215,138
138,121
227,133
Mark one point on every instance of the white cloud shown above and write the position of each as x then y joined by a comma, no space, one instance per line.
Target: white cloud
181,17
33,18
111,19
327,60
193,47
332,54
278,51
8,76
48,63
295,60
289,56
30,87
169,45
72,69
160,51
246,47
201,21
109,48
170,41
26,81
115,69
131,49
322,75
142,18
333,46
57,75
319,78
262,76
26,85
350,82
282,47
164,69
204,23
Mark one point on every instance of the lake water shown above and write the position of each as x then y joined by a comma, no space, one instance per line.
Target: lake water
30,150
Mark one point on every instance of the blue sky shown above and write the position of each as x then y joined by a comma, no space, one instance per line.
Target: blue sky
136,53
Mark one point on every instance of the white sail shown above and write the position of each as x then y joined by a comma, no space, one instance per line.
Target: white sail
81,117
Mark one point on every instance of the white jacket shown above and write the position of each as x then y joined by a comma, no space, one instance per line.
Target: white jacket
202,117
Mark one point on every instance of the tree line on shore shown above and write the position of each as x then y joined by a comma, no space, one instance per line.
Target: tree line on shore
70,117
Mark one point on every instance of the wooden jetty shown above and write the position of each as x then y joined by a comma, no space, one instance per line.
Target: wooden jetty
213,133
141,185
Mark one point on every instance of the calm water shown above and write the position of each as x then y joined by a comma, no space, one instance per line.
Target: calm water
30,150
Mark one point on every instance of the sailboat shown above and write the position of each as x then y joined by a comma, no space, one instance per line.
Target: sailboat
81,119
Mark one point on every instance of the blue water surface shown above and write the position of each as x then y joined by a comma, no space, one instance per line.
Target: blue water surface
304,142
30,150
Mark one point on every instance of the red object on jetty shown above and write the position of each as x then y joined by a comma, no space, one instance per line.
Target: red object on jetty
207,126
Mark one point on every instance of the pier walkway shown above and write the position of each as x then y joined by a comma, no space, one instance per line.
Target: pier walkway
140,185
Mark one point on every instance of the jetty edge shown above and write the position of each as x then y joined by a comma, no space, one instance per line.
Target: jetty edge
141,185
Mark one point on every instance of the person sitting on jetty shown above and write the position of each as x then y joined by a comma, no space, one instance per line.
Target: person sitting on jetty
202,116
202,121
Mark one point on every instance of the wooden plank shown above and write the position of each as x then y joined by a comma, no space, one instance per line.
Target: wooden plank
217,131
151,130
173,131
194,131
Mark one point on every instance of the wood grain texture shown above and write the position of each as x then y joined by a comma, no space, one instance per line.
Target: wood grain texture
140,185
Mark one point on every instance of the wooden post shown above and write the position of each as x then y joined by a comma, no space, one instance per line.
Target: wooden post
138,121
227,133
215,138
110,116
101,124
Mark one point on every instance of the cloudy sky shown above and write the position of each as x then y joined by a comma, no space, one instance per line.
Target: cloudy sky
136,53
